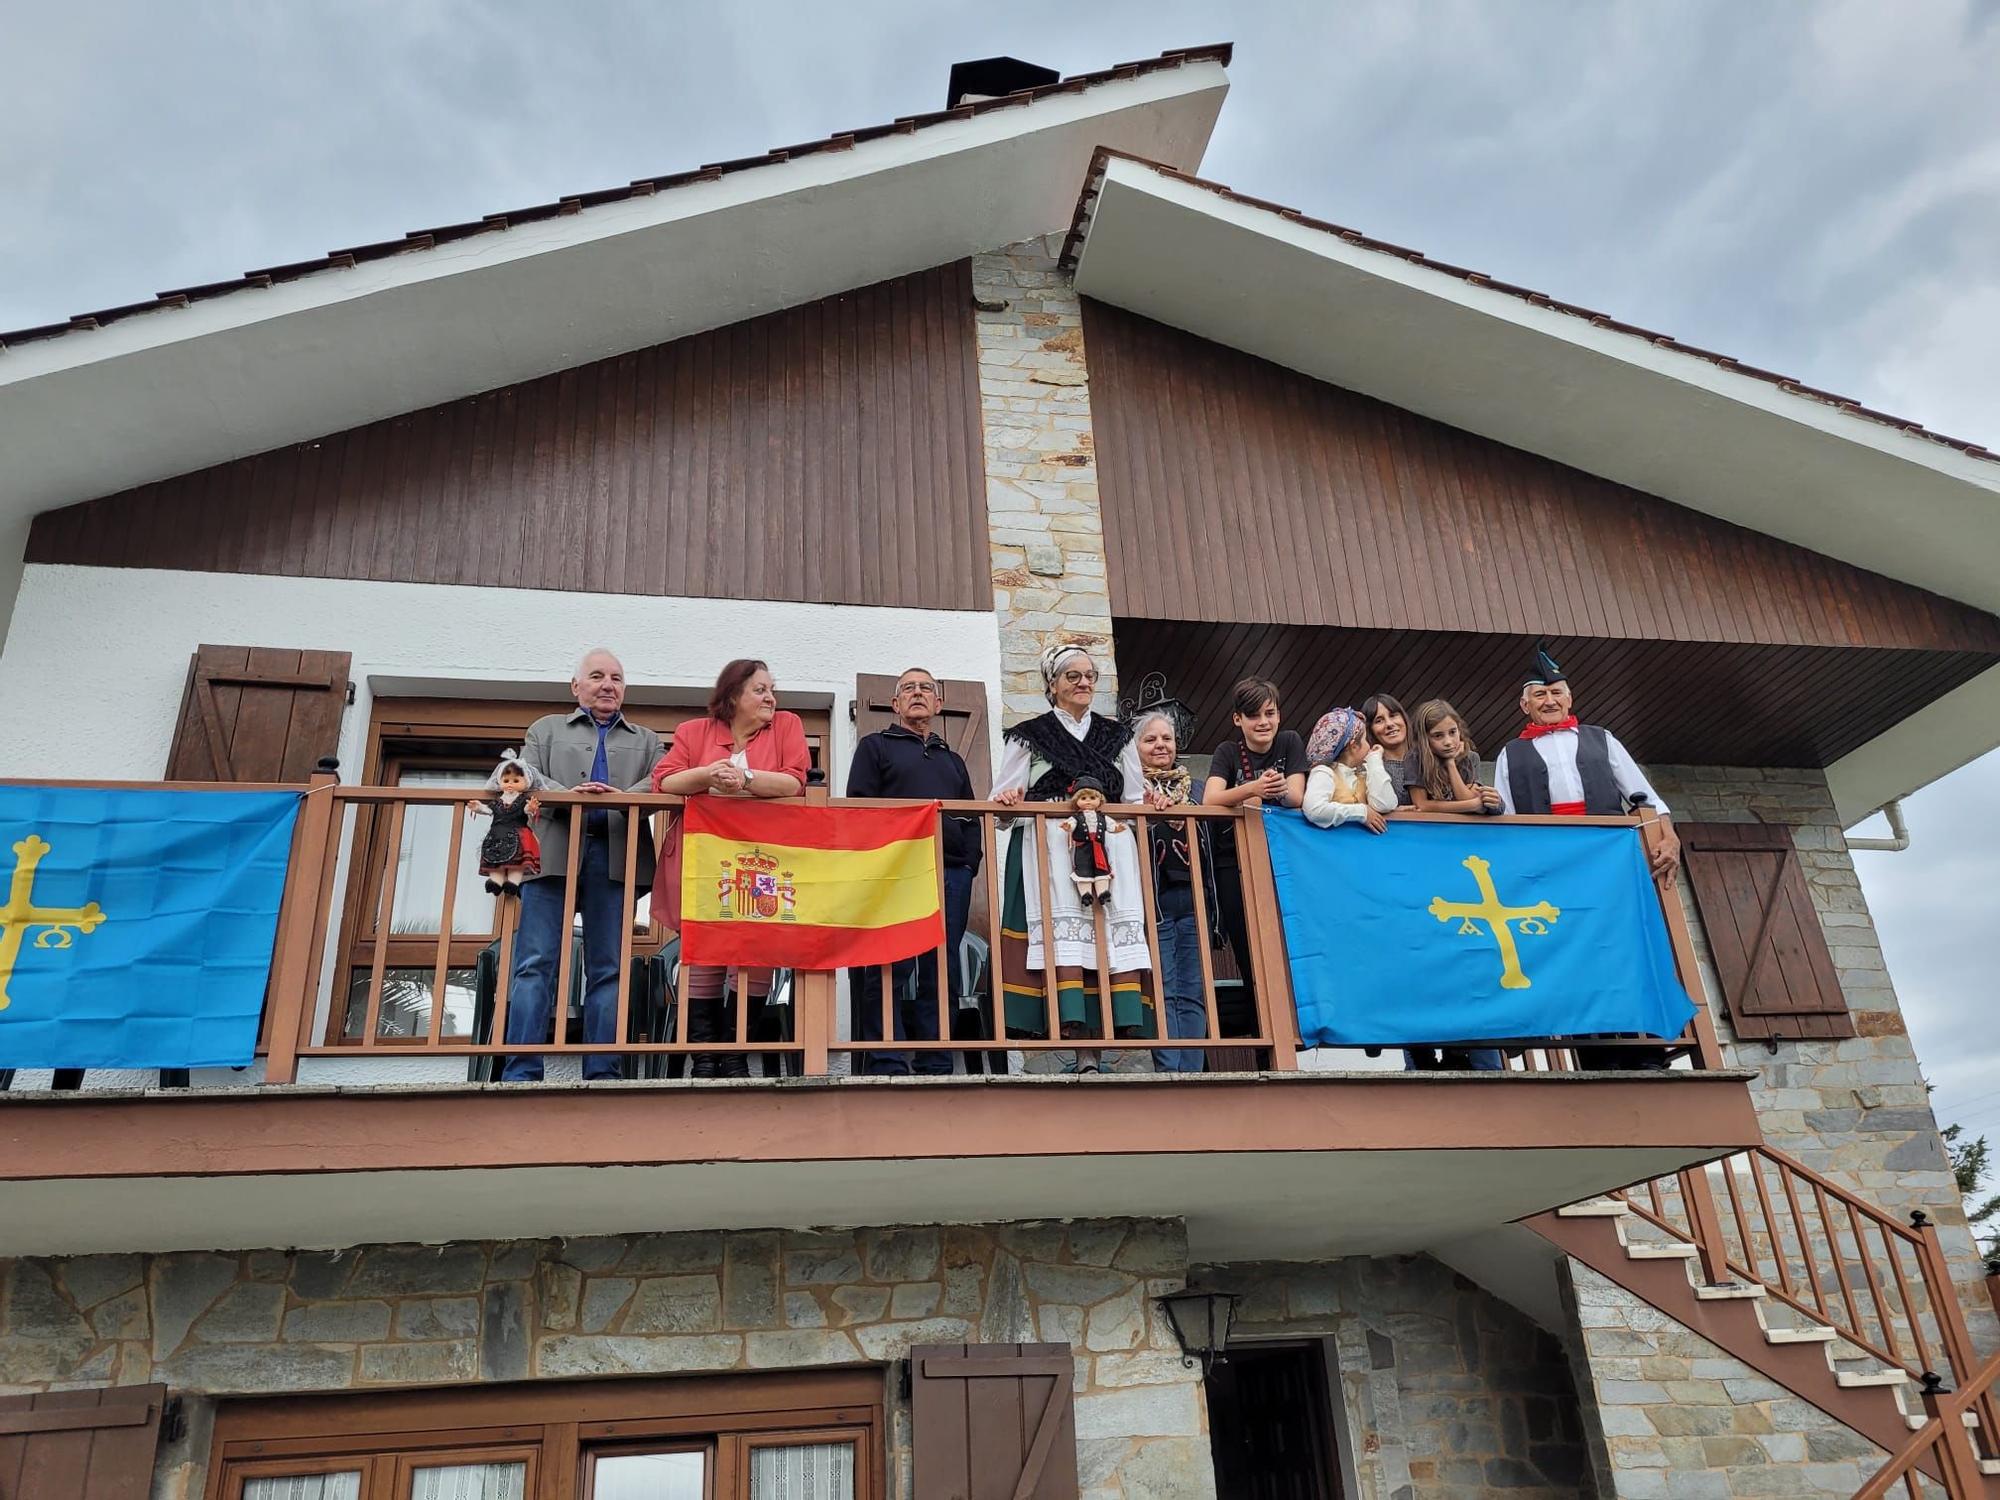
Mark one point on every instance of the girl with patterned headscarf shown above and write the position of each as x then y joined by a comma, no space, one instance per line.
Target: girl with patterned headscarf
1348,783
1040,758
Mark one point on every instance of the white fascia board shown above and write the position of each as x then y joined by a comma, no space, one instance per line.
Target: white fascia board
162,393
1612,404
1954,731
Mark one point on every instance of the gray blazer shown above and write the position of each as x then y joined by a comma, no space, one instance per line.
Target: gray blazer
560,748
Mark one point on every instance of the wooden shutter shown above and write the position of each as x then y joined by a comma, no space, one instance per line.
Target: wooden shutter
962,723
1769,949
993,1419
254,713
80,1445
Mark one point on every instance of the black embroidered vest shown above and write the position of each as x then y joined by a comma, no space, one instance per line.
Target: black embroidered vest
1096,754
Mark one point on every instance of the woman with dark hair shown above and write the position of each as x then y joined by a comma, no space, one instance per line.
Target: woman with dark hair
744,746
1389,727
1040,759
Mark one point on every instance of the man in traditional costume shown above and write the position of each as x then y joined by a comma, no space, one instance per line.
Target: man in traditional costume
1575,770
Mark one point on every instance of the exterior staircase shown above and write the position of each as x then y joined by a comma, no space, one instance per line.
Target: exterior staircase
1819,1291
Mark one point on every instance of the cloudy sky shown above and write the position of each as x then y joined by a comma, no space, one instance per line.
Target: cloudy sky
1814,188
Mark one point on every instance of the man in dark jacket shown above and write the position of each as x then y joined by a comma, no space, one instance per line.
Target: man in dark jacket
908,759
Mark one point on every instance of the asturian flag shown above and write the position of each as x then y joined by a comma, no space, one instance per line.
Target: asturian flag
1474,931
801,887
138,924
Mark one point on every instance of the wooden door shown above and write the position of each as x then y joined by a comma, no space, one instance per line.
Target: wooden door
80,1445
254,713
1268,1424
962,721
993,1419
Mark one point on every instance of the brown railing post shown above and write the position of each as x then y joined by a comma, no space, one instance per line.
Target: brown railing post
1271,972
813,994
1950,1314
1958,1460
1708,1051
1705,1222
289,999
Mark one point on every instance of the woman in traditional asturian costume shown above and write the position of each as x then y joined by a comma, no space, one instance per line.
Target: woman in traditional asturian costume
1040,759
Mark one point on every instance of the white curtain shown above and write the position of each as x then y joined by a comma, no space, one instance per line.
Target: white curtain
803,1471
650,1476
304,1487
504,1481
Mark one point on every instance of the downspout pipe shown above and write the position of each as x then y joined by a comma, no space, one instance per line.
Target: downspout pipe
1893,811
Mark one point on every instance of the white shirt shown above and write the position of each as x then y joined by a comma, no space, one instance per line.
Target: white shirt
1016,759
1558,750
1319,805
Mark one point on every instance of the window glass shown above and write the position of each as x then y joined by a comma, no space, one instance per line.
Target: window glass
420,861
650,1476
802,1471
501,1481
304,1487
406,1002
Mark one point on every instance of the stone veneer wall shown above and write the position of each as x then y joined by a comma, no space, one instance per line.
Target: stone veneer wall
1856,1110
1675,1418
268,1321
1447,1391
1047,536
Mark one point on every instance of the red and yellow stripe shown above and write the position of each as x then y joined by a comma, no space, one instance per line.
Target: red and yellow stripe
852,886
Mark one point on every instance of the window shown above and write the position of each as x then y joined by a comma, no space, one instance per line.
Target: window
809,1436
446,742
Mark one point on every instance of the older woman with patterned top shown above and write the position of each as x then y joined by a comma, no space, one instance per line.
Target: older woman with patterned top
1039,760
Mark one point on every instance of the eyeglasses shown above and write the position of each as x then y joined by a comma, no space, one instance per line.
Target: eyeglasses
916,687
1079,677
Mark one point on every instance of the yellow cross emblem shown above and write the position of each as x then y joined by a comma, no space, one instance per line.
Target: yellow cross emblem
20,913
1500,921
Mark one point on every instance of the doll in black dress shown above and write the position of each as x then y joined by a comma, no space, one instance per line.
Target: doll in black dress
510,852
1090,861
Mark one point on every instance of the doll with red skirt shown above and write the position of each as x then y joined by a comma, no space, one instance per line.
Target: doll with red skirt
510,853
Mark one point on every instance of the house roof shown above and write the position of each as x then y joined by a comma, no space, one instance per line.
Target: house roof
1625,403
429,239
131,394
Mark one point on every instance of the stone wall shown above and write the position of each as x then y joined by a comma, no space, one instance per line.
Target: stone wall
1047,536
1675,1418
1446,1391
269,1321
1856,1110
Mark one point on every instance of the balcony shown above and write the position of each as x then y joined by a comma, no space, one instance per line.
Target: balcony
370,1115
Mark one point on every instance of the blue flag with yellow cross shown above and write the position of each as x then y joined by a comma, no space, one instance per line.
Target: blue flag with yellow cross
1480,931
137,924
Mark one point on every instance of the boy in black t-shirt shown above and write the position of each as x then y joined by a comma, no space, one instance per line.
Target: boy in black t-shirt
1260,760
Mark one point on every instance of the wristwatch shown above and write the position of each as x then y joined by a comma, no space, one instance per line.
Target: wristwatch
749,778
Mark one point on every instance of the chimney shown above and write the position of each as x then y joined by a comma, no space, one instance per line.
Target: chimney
992,78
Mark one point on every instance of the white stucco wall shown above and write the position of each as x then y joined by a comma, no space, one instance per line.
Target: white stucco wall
122,637
130,632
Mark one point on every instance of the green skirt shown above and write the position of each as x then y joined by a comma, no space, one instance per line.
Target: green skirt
1026,998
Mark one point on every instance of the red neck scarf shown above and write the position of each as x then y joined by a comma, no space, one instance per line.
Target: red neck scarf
1536,731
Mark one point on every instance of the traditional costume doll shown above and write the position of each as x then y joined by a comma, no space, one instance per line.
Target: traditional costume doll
1090,860
509,853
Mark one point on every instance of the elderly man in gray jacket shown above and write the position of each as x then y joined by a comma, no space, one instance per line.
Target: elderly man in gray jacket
591,749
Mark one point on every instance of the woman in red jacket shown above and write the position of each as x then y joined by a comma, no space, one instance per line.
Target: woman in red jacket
744,746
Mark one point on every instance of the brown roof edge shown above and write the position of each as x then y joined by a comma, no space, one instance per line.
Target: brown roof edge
1086,207
1220,52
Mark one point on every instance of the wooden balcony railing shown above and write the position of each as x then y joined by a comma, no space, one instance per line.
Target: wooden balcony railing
387,950
1833,1258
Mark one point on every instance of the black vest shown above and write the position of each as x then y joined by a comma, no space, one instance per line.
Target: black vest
1528,775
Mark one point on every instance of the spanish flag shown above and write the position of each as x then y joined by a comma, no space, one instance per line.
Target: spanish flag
800,887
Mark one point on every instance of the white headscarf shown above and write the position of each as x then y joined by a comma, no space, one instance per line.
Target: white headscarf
1053,660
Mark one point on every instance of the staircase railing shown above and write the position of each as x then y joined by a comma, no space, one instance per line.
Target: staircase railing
1943,1443
1839,1261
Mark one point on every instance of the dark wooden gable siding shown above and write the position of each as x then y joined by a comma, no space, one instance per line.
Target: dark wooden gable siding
1235,490
828,453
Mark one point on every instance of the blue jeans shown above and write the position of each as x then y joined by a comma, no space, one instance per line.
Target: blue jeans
1180,972
538,955
915,1016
